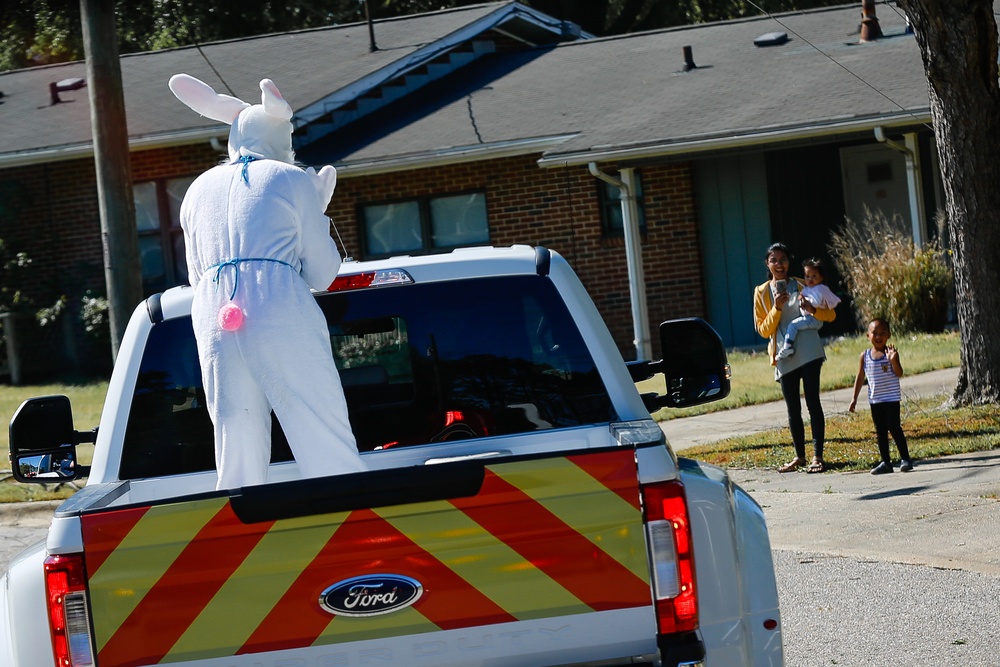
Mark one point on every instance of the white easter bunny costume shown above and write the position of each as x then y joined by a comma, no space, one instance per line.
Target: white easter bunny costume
256,240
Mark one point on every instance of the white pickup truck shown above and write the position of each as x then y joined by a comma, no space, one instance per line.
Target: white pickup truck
522,507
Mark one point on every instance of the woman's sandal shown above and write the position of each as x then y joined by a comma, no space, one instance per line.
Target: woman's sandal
816,466
792,465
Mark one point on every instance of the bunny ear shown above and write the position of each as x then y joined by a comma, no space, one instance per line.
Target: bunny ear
203,99
274,104
325,180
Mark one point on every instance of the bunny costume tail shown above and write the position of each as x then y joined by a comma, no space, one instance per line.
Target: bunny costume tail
246,376
279,360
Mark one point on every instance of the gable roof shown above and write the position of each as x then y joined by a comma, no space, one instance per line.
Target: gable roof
629,97
440,90
316,70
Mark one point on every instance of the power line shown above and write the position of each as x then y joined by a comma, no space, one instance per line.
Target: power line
836,62
308,7
209,63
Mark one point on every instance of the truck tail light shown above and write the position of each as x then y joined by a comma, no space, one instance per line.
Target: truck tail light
379,278
66,594
668,533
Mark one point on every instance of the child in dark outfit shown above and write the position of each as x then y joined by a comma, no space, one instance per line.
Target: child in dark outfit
881,366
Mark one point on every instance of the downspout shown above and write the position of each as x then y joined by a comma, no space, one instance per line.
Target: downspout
914,187
633,257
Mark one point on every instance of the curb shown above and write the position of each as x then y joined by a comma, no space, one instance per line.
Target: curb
15,513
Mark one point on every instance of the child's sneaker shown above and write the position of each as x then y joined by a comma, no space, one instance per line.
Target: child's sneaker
785,352
905,465
882,468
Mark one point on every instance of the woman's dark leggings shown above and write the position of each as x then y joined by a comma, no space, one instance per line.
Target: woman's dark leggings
886,418
808,375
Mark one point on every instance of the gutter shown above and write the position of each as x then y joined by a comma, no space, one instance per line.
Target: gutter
218,136
86,150
449,156
678,147
633,257
705,143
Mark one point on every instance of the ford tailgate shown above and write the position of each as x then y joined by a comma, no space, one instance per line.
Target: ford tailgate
368,556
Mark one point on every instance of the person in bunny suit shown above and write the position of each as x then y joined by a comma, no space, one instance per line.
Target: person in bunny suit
256,239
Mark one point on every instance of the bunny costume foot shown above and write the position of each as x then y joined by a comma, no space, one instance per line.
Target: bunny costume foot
256,239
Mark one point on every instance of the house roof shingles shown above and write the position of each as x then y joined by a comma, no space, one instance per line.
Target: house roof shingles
306,65
630,92
613,94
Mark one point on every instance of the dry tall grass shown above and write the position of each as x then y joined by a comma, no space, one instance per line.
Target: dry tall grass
889,276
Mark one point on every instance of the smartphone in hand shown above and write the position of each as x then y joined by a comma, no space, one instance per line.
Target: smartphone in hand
781,286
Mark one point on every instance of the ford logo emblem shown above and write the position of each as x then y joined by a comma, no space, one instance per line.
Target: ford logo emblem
371,595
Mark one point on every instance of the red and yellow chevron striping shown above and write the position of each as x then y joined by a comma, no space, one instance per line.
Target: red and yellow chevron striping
546,537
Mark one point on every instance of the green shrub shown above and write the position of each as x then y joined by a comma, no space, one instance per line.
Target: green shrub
14,266
94,315
889,276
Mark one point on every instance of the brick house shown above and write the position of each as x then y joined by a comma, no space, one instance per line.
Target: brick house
487,124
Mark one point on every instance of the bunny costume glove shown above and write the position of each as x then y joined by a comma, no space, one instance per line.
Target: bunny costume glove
256,240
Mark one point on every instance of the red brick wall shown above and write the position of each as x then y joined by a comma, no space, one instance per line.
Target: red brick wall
174,162
557,208
56,223
59,225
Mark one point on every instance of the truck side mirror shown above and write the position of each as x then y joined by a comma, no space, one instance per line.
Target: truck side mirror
43,441
694,365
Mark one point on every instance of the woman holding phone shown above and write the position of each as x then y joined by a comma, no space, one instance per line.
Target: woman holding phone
775,304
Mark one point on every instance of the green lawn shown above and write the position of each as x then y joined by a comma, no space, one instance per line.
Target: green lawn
753,377
932,429
752,383
87,400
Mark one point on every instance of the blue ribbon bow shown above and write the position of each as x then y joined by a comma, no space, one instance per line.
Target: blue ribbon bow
246,160
235,263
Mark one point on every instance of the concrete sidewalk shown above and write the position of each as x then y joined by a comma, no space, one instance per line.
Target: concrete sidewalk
690,431
944,514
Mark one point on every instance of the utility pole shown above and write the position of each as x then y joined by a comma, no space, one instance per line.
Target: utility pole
122,272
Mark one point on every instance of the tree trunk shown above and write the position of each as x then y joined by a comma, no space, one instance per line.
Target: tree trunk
958,45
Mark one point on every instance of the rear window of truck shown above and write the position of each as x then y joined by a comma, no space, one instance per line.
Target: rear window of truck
419,363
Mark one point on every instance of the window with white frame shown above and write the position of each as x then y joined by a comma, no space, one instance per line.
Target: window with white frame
610,198
425,225
161,241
